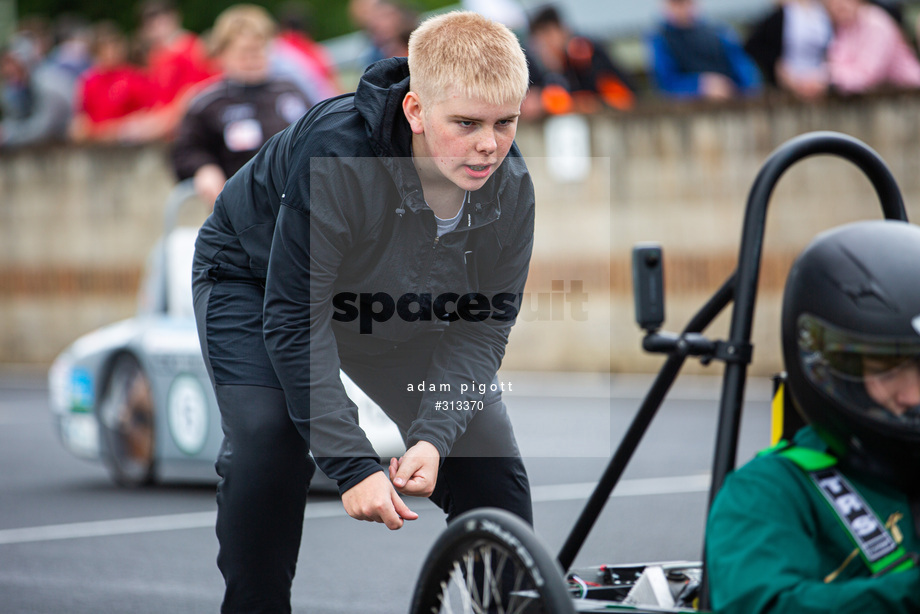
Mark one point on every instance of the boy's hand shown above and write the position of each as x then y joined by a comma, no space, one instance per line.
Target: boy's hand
373,499
416,472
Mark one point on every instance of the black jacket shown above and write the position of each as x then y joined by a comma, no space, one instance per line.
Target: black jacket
332,208
228,122
765,43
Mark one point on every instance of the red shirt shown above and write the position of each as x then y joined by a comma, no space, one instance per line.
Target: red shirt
105,94
174,68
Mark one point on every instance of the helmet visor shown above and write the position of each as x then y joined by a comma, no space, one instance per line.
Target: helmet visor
877,378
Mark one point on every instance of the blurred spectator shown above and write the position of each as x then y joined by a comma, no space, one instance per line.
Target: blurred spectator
398,44
392,21
790,45
231,119
693,58
387,24
176,60
868,49
359,11
71,51
37,28
570,72
297,57
111,90
37,96
361,14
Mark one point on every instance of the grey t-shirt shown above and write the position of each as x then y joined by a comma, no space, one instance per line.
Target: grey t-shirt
445,226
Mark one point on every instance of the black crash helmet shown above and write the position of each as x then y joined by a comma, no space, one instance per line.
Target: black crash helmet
850,327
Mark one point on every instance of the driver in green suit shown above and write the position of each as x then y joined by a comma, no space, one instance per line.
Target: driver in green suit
830,521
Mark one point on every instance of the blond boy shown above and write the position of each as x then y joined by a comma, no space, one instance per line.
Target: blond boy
388,232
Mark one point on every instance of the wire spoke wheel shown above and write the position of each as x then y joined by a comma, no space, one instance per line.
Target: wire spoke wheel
489,561
126,417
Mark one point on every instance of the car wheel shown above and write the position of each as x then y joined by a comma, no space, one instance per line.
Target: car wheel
126,418
489,560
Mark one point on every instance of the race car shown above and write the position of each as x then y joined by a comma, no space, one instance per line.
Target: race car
136,394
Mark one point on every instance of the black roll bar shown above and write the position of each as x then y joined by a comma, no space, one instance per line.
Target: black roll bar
749,258
740,288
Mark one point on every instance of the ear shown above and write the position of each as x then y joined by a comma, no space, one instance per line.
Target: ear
412,108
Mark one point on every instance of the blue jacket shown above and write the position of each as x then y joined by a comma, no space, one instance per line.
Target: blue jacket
668,65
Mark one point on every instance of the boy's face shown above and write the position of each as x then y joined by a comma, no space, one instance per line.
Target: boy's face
894,387
458,138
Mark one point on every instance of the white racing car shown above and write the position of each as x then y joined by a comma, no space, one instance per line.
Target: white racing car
136,394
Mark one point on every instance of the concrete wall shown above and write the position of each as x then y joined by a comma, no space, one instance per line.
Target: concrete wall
681,177
76,224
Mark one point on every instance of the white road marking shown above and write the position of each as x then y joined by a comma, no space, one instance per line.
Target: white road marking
103,528
145,524
330,509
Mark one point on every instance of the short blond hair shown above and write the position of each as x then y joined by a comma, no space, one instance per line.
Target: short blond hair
466,50
237,20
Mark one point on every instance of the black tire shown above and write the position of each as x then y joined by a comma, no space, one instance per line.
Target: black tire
126,423
489,560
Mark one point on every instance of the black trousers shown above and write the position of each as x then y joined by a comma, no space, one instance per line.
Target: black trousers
264,465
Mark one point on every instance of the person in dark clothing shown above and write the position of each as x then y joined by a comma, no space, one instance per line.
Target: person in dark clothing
789,46
36,97
387,233
693,58
231,118
576,64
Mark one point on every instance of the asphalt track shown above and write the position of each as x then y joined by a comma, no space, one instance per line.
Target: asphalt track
72,542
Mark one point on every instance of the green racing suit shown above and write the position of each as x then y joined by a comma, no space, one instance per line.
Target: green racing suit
774,543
